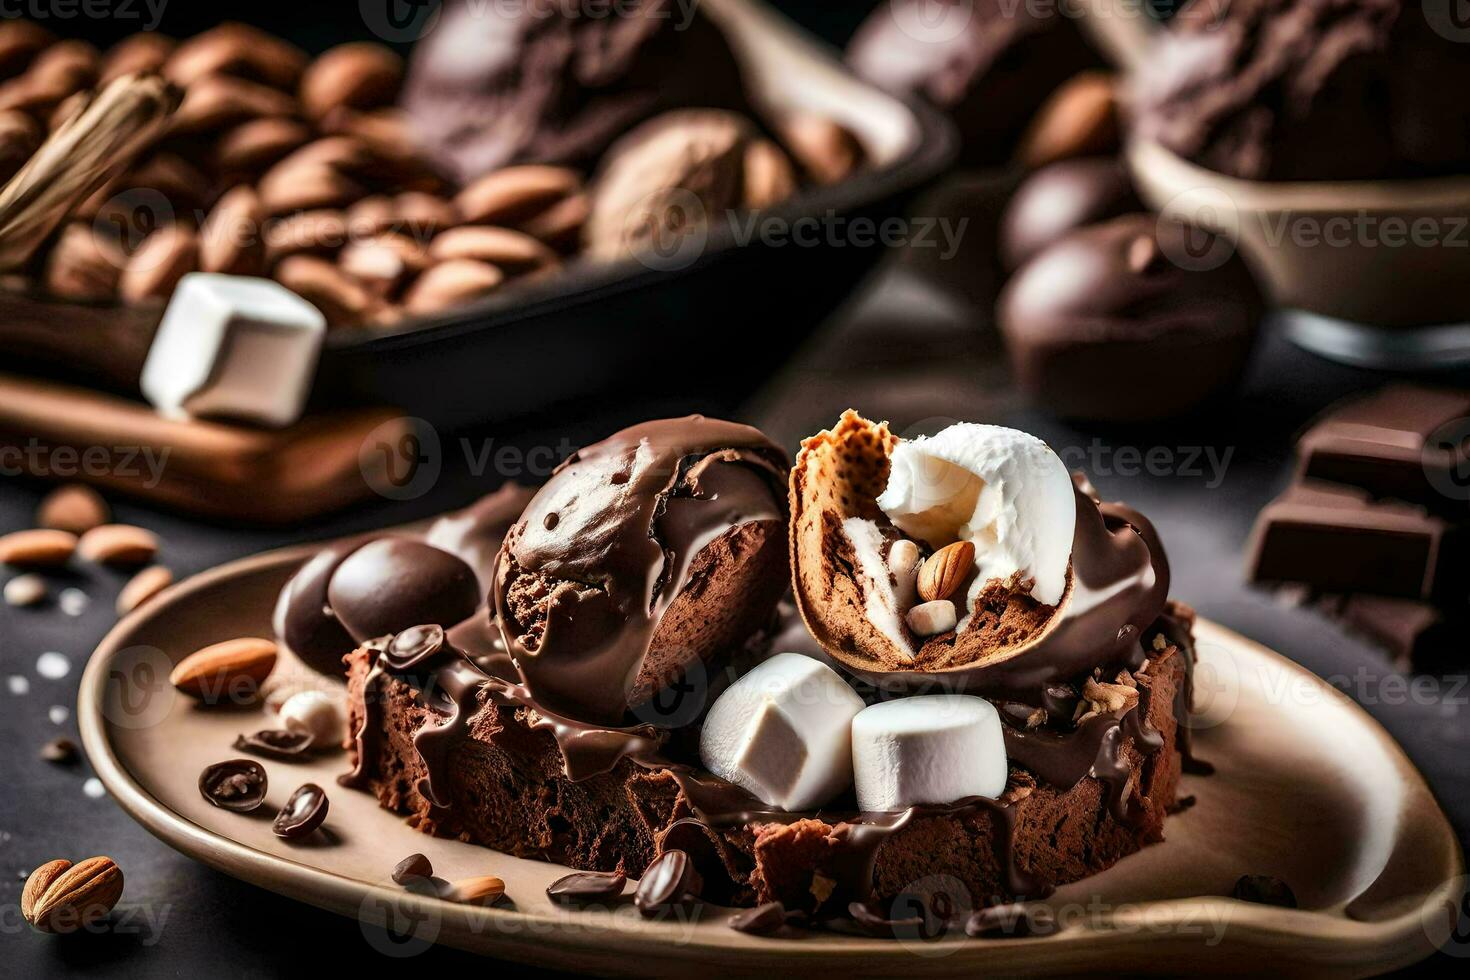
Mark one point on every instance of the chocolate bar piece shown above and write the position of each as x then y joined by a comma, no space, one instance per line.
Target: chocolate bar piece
1337,539
1402,442
1417,635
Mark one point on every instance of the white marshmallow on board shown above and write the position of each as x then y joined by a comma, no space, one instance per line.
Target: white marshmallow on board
1003,489
234,347
319,714
935,748
782,732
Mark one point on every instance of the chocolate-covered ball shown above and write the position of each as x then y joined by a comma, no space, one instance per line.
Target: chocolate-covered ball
390,584
988,63
303,615
645,556
1060,198
495,84
1136,319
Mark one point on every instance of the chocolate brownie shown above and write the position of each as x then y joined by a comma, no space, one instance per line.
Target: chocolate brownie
503,779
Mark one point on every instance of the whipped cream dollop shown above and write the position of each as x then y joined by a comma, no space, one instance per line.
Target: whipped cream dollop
1001,489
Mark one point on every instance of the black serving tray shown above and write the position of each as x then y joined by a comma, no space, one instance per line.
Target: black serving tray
703,335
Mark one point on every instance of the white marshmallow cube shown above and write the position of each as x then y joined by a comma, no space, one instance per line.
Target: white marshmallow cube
782,732
935,748
234,347
319,714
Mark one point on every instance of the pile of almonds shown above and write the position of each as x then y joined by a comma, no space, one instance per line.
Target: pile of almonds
279,165
301,169
72,522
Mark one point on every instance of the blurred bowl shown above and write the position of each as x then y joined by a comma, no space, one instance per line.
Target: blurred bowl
1371,271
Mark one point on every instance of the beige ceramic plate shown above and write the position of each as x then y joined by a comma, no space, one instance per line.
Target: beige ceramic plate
1308,788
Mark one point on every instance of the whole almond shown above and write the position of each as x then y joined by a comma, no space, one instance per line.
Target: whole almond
483,890
172,176
450,283
145,52
290,186
945,570
36,885
252,146
118,544
502,247
237,49
1079,119
360,75
222,101
560,226
83,266
142,587
165,257
420,215
40,548
74,507
77,896
234,669
383,262
769,176
514,193
67,67
825,148
319,282
320,231
232,238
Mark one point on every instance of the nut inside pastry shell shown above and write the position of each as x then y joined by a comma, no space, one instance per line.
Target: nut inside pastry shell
839,474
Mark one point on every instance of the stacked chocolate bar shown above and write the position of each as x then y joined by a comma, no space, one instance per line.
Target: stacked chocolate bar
1376,523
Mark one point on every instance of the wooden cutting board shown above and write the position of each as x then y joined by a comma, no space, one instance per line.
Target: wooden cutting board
56,431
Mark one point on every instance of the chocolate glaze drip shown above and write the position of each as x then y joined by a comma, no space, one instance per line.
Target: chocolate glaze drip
613,534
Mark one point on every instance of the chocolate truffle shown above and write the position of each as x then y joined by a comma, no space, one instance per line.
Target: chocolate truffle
495,84
303,617
392,584
1060,198
1109,324
990,64
1310,89
656,549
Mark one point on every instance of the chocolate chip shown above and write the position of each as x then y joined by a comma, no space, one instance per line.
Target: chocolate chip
275,744
1016,921
586,888
1264,890
762,920
238,785
413,647
415,867
303,813
60,751
669,881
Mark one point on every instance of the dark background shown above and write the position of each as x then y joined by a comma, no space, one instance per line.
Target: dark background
907,350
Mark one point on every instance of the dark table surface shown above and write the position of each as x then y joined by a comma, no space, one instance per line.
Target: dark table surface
907,349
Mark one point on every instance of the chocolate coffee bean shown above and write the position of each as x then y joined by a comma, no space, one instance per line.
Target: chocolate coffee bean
669,881
276,744
763,920
1264,890
303,813
238,785
586,888
415,867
